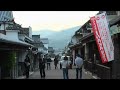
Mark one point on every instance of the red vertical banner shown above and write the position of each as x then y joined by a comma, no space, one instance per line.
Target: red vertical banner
98,40
104,33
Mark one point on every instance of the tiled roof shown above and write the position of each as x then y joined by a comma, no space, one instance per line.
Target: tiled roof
24,31
16,42
13,26
6,15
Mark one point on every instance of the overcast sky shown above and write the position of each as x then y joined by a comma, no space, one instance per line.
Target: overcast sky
52,20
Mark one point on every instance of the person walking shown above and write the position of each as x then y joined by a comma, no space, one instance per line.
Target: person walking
71,59
27,66
65,66
55,62
42,67
79,64
49,63
60,66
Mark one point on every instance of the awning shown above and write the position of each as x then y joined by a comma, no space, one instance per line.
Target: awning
16,42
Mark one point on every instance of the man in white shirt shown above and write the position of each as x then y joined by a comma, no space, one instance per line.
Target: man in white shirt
65,65
79,64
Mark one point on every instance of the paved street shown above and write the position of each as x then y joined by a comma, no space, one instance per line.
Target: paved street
58,74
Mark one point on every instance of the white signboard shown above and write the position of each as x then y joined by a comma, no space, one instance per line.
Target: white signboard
103,38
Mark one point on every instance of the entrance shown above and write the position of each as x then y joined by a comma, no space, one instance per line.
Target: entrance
4,64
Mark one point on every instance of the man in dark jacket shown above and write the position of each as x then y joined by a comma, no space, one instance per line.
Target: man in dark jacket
42,67
55,62
27,66
48,63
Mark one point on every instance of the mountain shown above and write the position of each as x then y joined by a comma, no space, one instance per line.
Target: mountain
44,33
58,39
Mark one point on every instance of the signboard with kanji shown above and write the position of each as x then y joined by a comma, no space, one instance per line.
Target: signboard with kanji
103,37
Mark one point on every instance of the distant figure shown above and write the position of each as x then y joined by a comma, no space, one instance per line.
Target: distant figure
55,62
79,64
60,65
42,67
65,66
49,63
27,66
71,59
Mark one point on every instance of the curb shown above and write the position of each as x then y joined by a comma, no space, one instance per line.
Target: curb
90,74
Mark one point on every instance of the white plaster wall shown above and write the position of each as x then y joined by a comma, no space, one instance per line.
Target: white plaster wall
12,35
74,40
2,36
30,32
46,45
2,26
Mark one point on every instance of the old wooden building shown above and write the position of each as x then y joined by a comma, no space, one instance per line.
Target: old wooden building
83,42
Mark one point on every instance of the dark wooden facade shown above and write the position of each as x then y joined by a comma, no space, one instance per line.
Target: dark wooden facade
6,48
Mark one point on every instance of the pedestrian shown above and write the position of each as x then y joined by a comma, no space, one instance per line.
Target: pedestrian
27,66
65,66
49,63
79,64
55,62
71,59
60,65
59,60
42,67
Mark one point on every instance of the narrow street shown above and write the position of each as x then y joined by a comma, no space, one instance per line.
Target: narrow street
58,74
89,38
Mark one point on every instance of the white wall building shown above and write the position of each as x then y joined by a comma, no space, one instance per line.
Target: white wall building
11,32
45,42
30,32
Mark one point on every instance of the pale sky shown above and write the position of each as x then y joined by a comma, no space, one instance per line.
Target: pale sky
52,20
